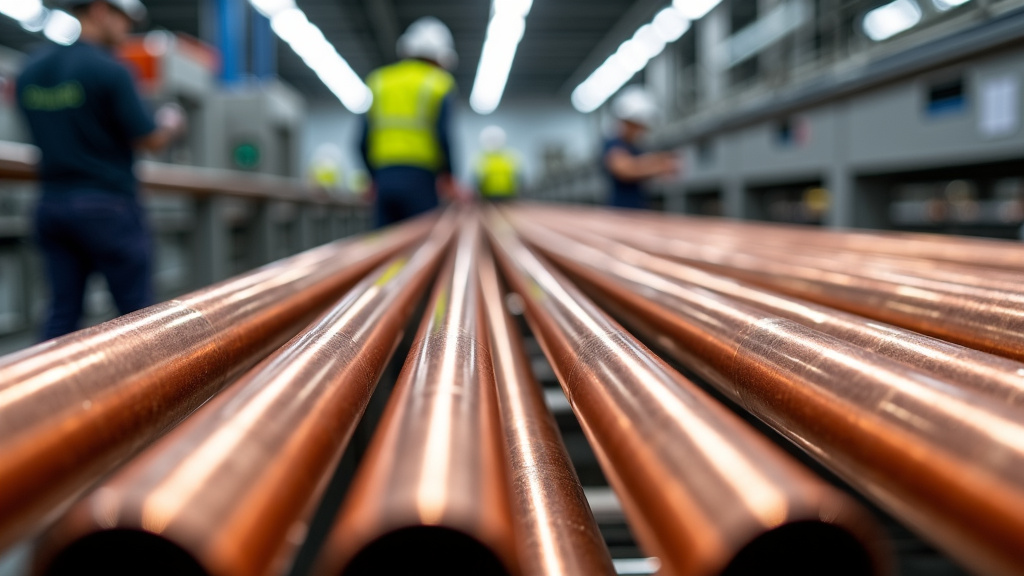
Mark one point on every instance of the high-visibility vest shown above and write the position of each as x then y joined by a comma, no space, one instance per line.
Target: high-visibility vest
402,120
497,174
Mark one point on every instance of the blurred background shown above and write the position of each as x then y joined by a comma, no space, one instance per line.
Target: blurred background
878,114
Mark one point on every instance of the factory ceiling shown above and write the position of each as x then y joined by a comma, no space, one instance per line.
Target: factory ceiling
564,40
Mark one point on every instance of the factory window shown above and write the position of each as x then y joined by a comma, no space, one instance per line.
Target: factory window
946,98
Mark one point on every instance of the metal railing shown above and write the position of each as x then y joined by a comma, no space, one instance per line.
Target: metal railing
208,224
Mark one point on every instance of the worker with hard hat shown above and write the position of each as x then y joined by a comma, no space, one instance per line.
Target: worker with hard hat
87,118
626,164
406,136
497,169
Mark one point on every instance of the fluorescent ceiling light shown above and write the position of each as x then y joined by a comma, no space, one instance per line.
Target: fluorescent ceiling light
648,41
271,8
36,24
504,31
889,20
308,41
670,24
633,55
943,5
22,10
62,28
694,9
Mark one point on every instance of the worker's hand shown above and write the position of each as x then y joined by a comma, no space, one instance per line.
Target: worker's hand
667,163
369,195
449,190
171,117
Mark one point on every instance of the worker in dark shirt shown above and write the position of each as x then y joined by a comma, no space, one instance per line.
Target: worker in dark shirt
86,116
406,133
626,164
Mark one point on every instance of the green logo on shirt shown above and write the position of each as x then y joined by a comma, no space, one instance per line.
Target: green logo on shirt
64,96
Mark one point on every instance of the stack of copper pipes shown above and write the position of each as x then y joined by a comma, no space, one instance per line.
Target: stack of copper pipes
199,436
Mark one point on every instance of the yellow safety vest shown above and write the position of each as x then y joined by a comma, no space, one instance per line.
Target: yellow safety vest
402,121
497,174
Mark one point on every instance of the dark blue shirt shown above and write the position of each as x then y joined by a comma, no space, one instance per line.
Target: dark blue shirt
624,194
85,115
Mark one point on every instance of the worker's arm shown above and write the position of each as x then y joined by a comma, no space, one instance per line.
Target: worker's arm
170,124
629,168
444,130
145,132
364,141
447,186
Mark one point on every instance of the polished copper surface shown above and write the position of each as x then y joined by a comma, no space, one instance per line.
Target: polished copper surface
946,461
555,529
235,485
980,318
940,247
992,375
431,493
73,408
702,491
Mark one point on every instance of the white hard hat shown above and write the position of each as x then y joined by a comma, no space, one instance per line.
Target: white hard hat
492,138
635,105
430,39
132,8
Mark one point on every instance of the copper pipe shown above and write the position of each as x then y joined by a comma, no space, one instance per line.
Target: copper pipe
946,248
234,487
74,408
804,247
987,320
702,491
946,461
431,493
555,529
991,375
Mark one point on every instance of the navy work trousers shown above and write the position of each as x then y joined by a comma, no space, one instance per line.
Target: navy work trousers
86,231
403,192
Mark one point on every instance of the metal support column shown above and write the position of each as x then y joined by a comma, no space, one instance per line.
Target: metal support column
307,226
265,236
231,39
211,242
264,48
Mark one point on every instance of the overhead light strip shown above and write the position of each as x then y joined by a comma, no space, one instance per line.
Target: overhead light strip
891,19
633,55
57,25
290,24
286,19
505,30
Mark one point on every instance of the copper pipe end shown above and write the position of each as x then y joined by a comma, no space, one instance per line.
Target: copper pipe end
433,475
809,548
426,550
124,553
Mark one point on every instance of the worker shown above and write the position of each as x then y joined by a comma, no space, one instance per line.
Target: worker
84,113
325,171
497,170
627,166
406,133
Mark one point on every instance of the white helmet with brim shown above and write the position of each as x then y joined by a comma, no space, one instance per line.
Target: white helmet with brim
635,105
430,39
492,138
